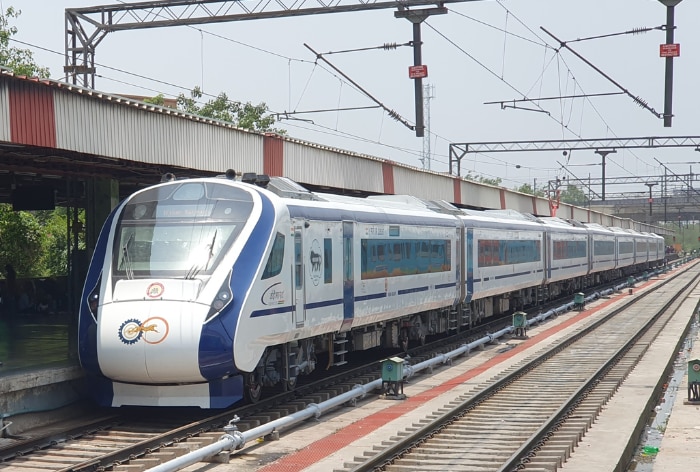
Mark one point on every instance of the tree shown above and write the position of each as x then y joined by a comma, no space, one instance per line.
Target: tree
483,180
21,241
244,115
20,61
157,100
527,188
573,196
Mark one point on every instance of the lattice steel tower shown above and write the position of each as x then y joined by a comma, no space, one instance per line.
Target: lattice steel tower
427,96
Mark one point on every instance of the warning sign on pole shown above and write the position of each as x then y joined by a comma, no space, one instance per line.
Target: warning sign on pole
417,72
670,50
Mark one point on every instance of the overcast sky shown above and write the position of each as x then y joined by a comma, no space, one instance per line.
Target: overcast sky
481,51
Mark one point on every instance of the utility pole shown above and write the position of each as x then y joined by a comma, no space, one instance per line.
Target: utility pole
417,17
603,153
651,200
669,51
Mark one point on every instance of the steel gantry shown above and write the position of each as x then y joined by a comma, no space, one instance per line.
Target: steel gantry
603,147
87,27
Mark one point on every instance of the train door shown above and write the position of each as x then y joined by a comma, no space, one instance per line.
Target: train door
299,292
459,260
469,276
548,256
348,277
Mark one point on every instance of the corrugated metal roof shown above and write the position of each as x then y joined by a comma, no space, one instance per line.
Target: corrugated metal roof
135,132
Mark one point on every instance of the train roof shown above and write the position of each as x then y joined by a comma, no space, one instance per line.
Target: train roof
597,226
502,215
562,224
289,189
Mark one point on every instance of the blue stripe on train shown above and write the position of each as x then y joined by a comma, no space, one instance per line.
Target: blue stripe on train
216,343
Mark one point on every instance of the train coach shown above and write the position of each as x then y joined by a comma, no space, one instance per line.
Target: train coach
201,292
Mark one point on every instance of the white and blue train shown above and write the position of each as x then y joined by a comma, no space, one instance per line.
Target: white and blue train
203,291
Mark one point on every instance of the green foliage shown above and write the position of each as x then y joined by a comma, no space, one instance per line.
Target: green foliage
244,115
157,100
20,61
527,188
573,196
21,242
36,242
483,180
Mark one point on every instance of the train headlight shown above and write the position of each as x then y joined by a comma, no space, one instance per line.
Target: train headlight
218,304
223,298
93,299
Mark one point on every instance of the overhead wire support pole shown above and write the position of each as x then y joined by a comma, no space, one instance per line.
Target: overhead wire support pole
668,86
416,17
604,153
638,100
391,113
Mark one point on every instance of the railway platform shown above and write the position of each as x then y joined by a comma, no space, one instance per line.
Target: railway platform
338,438
674,432
37,371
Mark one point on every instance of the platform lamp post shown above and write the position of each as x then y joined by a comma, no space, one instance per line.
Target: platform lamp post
651,200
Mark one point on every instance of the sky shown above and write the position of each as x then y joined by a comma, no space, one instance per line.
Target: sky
480,51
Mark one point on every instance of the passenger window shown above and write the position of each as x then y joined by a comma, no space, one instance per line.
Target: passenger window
276,258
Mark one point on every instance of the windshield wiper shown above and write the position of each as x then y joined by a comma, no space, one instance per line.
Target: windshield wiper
196,268
211,250
126,259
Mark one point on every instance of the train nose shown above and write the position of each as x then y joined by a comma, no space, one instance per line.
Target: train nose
155,342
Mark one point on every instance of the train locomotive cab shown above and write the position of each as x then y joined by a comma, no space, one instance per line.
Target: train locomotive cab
164,282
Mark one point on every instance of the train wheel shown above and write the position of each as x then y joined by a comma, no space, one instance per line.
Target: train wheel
290,384
253,387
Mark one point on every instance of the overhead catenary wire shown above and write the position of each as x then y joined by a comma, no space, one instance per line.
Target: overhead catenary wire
557,54
610,35
392,113
641,102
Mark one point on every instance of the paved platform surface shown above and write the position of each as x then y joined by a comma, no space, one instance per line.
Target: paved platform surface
618,428
333,440
678,450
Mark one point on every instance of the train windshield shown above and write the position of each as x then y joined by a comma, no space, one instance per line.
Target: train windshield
180,230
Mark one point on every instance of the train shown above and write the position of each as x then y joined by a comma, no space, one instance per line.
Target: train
203,292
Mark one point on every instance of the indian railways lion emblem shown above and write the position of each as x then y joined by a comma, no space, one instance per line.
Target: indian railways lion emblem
316,260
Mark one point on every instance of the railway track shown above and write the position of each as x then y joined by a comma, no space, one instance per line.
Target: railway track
141,439
533,415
